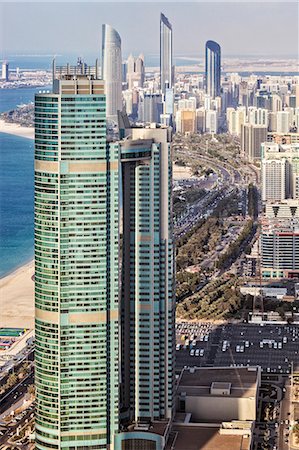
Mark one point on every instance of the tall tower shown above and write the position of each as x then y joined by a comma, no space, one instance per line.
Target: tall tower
76,266
5,71
213,68
148,302
112,71
166,54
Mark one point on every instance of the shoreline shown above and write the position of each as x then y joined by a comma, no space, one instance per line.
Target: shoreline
17,297
16,130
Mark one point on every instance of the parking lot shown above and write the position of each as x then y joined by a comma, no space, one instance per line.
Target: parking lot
273,347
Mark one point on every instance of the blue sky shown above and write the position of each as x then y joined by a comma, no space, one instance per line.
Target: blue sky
241,28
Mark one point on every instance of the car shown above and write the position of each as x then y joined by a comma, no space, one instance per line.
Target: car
201,353
178,346
192,352
197,352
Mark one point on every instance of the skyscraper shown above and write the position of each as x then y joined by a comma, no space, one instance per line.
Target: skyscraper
147,302
112,71
213,69
76,266
5,71
135,71
166,54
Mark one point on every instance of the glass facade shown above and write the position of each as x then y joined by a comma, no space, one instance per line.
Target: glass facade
213,69
166,55
76,270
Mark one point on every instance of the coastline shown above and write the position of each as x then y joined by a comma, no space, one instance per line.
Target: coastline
17,130
17,298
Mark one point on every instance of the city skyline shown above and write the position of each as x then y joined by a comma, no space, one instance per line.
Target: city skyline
190,41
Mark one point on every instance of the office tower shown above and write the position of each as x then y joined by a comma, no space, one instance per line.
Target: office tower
112,71
251,138
152,108
166,54
5,71
213,69
76,266
135,71
147,302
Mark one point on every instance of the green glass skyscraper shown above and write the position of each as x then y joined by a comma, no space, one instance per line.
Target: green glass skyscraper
76,266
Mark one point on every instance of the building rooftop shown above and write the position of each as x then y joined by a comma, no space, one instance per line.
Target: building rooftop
243,381
205,438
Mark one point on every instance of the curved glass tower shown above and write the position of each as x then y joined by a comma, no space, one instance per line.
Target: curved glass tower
166,57
213,68
76,267
112,71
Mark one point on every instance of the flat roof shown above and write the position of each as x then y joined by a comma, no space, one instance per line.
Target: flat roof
205,438
198,381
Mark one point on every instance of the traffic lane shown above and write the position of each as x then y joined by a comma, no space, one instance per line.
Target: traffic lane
18,391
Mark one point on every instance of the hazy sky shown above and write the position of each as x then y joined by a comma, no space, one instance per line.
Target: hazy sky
241,28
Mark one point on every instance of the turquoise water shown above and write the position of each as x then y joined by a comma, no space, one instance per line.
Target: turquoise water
16,202
10,98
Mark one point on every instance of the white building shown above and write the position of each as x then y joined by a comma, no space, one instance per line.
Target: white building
112,71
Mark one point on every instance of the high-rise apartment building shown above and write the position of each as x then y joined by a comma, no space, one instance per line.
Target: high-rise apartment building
112,71
135,71
280,171
147,299
252,137
76,266
213,69
166,54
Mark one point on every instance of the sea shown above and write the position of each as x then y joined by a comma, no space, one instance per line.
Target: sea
16,202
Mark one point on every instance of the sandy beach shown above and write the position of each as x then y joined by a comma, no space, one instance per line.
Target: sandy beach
17,130
17,298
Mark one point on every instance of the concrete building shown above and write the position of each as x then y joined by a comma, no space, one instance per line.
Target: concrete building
280,171
235,119
283,122
147,299
186,121
218,395
76,266
252,137
135,72
211,125
258,116
280,248
112,71
150,107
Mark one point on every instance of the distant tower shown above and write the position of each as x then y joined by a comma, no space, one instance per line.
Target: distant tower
166,56
5,71
213,68
112,71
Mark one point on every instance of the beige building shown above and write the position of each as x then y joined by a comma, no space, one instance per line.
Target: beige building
219,394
